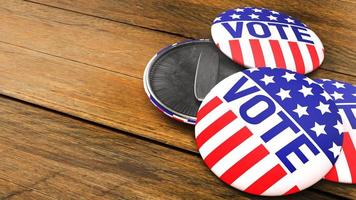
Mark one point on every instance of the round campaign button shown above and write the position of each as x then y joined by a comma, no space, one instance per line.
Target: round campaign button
259,37
173,82
268,131
344,95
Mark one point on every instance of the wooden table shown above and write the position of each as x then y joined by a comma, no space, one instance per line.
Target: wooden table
75,122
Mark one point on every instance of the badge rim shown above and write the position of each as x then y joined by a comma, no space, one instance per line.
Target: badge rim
322,81
154,100
210,168
252,67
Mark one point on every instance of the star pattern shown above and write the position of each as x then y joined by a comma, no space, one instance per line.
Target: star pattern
267,79
320,84
290,20
289,76
309,80
318,129
284,94
343,95
306,91
257,10
217,19
253,69
339,127
339,85
335,149
253,16
272,18
234,16
324,108
326,96
306,102
337,95
340,92
257,14
300,110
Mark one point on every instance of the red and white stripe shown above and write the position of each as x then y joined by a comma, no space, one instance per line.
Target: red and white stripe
271,52
235,152
237,157
344,170
298,57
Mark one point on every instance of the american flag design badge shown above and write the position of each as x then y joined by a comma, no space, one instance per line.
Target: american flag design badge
344,95
259,37
268,131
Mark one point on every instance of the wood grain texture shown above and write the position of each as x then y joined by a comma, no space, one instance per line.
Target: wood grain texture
95,94
344,190
96,42
334,21
37,69
98,94
62,158
72,88
90,68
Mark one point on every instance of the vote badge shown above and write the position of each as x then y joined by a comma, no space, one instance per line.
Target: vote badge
179,76
259,37
344,95
268,131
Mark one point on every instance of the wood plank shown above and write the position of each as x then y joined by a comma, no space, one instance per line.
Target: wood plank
88,91
9,190
345,190
72,88
94,93
333,21
68,159
95,42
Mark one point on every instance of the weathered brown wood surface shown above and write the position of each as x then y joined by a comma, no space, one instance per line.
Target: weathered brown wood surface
332,20
86,59
47,155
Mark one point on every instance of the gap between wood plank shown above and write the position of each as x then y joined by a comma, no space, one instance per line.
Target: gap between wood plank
67,147
103,13
83,63
100,125
116,72
26,188
128,134
160,143
116,21
50,104
130,24
75,61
